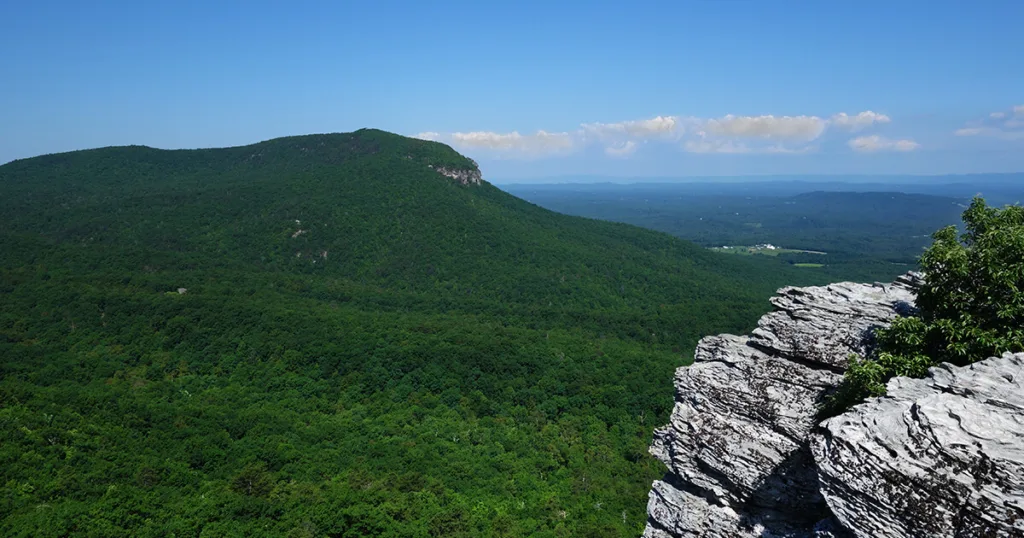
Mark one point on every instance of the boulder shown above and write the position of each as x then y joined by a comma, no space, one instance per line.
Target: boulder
736,445
940,456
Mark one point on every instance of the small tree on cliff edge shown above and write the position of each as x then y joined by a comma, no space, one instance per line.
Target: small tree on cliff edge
970,307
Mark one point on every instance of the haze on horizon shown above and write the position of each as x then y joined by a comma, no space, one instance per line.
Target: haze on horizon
532,90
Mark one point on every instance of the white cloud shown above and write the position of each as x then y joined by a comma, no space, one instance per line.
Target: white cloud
971,131
802,128
1001,125
624,150
991,132
537,143
859,121
428,135
873,143
727,134
794,151
706,144
656,126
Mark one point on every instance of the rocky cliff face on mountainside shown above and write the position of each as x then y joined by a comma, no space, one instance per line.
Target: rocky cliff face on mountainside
943,456
464,177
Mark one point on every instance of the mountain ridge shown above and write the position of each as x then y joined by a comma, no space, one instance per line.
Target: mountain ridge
363,345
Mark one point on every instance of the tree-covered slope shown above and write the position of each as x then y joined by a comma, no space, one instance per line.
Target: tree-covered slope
362,346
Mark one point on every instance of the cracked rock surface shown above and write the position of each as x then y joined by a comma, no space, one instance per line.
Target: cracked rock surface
825,324
737,443
940,456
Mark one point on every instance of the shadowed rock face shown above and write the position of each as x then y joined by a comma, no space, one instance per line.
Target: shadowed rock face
737,443
940,456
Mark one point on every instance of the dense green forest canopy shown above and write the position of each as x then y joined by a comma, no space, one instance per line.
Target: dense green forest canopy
323,336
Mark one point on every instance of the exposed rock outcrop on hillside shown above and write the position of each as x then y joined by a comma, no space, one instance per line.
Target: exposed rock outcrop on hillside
464,177
737,443
940,456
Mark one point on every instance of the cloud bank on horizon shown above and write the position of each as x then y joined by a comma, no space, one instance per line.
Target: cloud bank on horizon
729,134
1001,125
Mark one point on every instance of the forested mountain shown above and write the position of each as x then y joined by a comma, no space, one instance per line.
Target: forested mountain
329,335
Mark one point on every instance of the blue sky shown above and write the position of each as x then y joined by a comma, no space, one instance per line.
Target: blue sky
534,89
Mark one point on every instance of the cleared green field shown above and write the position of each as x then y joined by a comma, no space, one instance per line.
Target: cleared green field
808,265
745,250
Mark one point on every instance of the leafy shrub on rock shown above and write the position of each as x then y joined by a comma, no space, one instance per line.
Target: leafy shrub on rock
970,306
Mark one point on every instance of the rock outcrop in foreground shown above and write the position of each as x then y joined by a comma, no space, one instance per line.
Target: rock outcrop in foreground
743,438
737,443
940,456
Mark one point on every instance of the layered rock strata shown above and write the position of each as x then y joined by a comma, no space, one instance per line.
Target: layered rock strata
939,457
737,444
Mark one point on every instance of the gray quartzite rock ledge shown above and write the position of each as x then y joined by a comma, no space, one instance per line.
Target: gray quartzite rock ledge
464,177
939,457
825,325
737,443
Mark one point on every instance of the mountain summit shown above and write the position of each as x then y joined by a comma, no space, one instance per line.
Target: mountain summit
363,208
346,334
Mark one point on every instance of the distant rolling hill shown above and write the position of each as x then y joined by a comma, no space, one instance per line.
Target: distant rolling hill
867,235
340,335
996,188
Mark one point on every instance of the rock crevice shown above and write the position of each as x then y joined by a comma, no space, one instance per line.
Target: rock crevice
746,456
939,456
736,445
